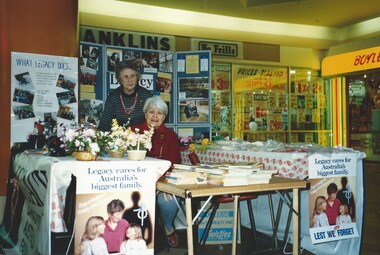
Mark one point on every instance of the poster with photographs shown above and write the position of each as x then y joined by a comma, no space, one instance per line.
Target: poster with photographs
44,93
189,135
166,62
150,60
164,84
122,192
132,55
194,111
89,56
332,209
147,61
113,58
90,111
90,71
193,88
149,65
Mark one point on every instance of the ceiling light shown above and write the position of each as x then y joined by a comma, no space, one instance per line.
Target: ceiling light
257,3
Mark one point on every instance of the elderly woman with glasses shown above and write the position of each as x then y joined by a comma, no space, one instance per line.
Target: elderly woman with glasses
125,103
165,145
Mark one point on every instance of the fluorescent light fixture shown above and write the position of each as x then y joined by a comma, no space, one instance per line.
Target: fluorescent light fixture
180,17
156,14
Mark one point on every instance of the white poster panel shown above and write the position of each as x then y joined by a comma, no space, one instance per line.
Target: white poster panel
44,93
332,197
99,183
33,177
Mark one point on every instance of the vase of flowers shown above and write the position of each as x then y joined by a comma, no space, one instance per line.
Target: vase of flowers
138,143
136,155
80,143
114,142
84,155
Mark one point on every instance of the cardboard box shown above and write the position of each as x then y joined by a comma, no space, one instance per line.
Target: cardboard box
222,227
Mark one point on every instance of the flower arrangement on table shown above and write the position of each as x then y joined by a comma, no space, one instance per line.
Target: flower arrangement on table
190,143
113,142
186,141
121,139
80,140
192,147
139,141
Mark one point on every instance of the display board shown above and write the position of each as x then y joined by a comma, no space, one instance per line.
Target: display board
193,95
44,94
181,79
156,68
193,86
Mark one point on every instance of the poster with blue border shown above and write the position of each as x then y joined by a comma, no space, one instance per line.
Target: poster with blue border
193,77
332,197
122,195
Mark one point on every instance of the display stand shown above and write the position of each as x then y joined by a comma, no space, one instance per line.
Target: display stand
291,165
43,181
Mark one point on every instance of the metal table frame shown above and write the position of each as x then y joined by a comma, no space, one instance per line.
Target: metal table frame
193,191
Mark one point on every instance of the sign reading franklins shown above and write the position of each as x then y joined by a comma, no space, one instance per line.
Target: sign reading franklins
127,39
218,48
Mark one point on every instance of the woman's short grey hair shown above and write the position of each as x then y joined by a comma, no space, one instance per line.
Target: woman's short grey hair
155,102
127,64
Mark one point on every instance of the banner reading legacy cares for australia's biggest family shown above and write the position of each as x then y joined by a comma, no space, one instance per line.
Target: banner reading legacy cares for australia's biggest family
120,192
332,197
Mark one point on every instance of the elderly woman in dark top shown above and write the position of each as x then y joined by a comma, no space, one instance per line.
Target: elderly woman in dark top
125,103
165,145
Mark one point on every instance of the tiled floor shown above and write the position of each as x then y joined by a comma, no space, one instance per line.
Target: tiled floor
245,248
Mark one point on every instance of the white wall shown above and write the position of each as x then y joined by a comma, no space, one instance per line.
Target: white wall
354,46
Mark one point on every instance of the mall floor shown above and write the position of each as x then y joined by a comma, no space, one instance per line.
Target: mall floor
244,248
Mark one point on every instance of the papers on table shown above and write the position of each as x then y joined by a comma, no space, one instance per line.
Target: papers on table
221,174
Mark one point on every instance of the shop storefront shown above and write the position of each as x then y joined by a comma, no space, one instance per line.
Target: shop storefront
357,81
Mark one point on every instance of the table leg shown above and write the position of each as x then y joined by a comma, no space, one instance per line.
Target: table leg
190,244
295,222
234,233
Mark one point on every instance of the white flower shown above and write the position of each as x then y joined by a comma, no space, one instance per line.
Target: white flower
94,148
138,141
122,138
71,134
89,132
77,143
79,139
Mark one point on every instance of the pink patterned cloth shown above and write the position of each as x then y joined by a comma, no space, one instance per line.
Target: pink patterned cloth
289,164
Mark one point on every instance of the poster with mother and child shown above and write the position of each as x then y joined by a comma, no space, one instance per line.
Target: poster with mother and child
332,197
115,207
